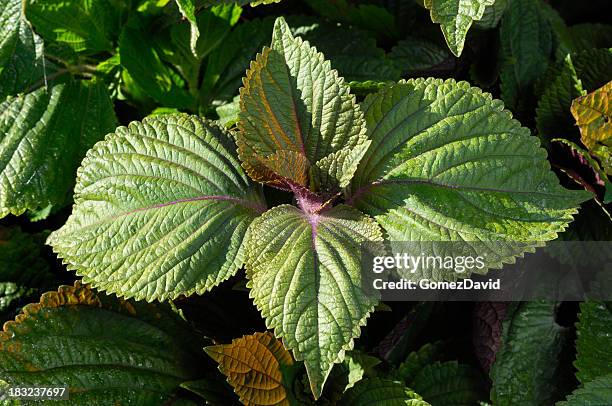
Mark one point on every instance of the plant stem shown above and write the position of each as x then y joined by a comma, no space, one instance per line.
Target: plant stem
88,71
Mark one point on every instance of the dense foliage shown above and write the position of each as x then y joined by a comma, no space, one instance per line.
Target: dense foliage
191,182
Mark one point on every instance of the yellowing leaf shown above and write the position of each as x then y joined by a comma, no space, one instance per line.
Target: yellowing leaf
593,113
255,366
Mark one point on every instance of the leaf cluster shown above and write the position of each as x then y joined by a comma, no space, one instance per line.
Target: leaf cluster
201,179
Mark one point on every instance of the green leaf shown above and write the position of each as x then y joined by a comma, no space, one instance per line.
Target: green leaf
43,137
103,349
209,3
597,392
161,209
208,27
21,50
568,80
369,17
492,15
160,111
151,7
357,365
414,55
227,64
174,44
214,25
351,51
143,64
594,67
526,49
417,360
83,26
11,293
229,114
259,368
553,116
23,271
41,213
594,330
362,89
130,90
188,10
396,345
305,277
449,384
527,367
448,163
109,70
259,2
294,108
379,392
455,18
582,37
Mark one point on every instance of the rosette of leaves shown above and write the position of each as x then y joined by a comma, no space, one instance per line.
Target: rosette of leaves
170,206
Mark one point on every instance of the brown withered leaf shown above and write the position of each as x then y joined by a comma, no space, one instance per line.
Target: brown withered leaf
258,367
